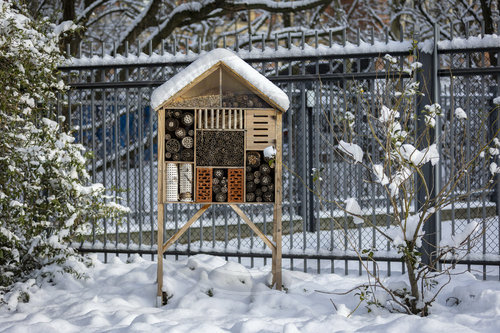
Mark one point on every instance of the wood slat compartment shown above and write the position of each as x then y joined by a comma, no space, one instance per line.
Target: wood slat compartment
261,129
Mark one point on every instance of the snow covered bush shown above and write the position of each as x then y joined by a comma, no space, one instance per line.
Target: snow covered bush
404,145
45,196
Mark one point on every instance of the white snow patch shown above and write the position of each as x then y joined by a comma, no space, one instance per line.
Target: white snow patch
388,115
353,209
378,170
460,113
270,152
208,60
352,150
120,297
455,241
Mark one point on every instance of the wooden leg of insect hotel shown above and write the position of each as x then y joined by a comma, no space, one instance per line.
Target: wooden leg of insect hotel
277,232
159,294
159,244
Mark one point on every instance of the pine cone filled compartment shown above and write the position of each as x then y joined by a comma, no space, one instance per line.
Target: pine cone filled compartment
179,135
259,177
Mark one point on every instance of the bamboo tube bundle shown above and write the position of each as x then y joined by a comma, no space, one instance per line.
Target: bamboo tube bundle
186,182
265,169
187,119
221,197
219,174
236,100
173,146
250,197
219,182
266,180
251,186
259,178
172,182
253,159
268,197
187,155
220,148
180,132
171,124
187,142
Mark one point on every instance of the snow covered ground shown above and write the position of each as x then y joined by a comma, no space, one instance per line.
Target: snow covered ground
209,294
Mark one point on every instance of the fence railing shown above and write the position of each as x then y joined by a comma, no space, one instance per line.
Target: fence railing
109,106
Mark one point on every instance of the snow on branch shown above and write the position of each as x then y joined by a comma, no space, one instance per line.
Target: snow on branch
197,11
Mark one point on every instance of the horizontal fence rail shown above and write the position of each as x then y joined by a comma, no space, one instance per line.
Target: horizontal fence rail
109,106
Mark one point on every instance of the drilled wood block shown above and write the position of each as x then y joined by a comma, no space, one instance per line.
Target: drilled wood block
236,181
203,185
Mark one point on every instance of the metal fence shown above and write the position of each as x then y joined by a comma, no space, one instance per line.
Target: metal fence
109,107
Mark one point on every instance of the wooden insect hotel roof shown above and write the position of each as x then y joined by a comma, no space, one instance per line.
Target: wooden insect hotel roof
214,75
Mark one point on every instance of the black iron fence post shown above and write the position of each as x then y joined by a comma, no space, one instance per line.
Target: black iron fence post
428,85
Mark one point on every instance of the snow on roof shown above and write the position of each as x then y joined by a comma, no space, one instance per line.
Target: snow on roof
208,60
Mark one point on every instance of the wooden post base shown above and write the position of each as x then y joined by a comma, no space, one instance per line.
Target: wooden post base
274,245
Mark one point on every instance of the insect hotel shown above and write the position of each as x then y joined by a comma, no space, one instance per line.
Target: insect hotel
219,142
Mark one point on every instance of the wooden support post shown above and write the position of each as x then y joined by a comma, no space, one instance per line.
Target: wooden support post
277,232
185,227
253,226
161,163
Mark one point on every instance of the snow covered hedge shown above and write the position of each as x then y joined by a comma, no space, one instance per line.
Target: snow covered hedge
45,195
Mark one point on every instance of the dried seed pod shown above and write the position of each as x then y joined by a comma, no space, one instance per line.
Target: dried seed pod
169,114
264,188
265,168
258,199
251,187
171,124
216,188
215,181
176,157
187,119
187,155
221,197
187,142
249,169
168,136
250,197
191,133
270,187
266,180
172,145
268,197
253,159
249,176
219,173
223,189
168,155
256,180
258,192
223,181
257,174
177,113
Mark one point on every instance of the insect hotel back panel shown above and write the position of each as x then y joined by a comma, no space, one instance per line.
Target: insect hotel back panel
215,135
